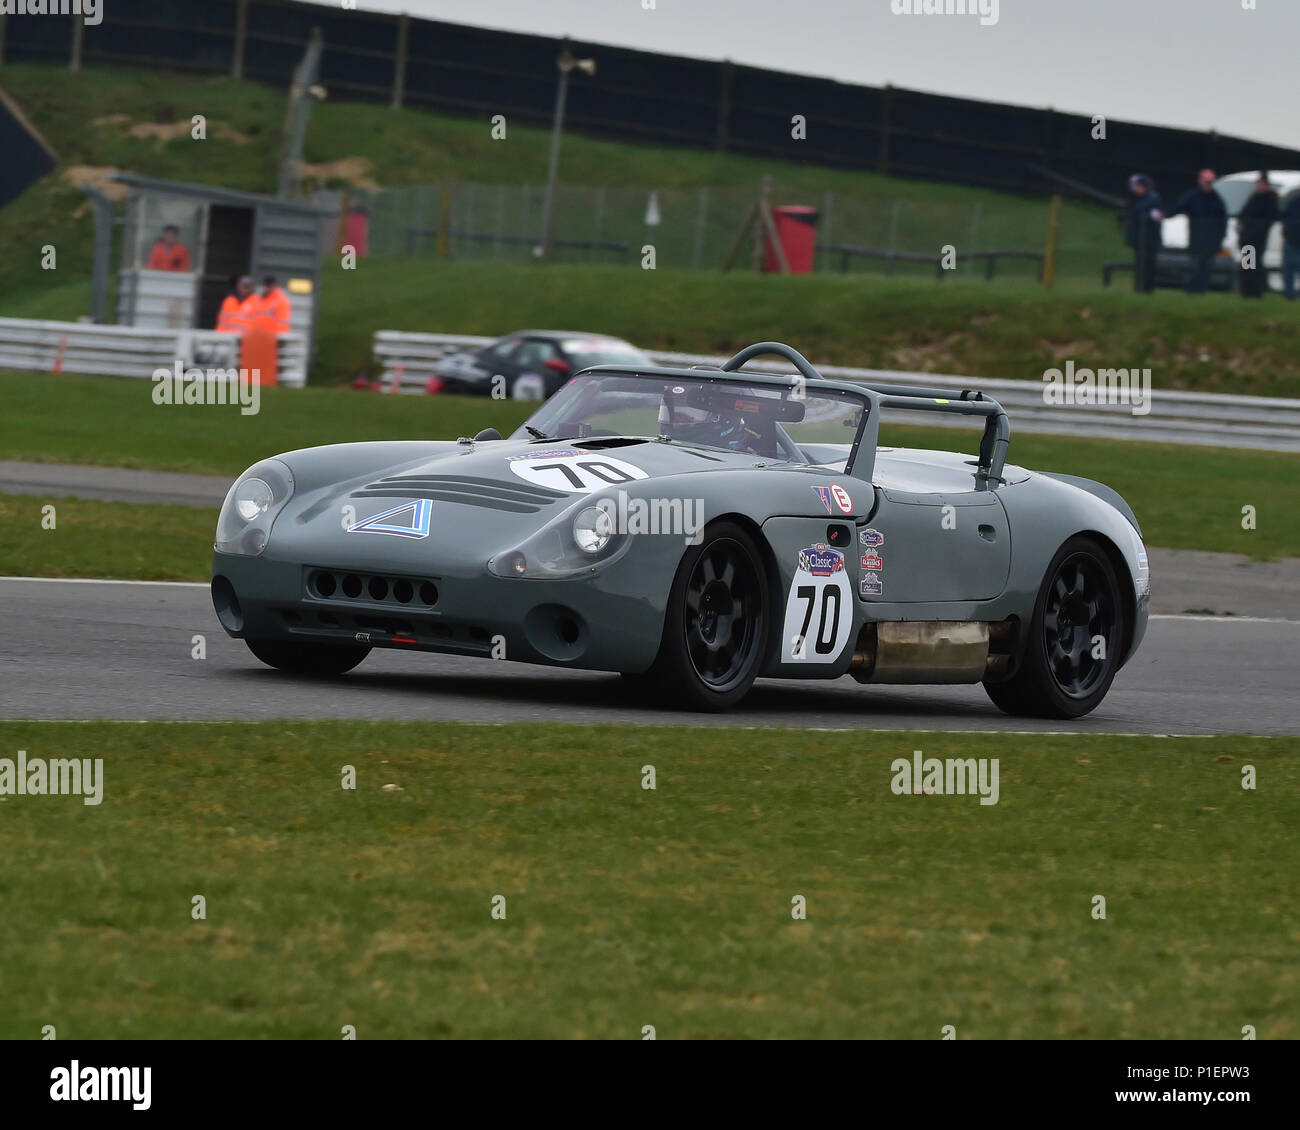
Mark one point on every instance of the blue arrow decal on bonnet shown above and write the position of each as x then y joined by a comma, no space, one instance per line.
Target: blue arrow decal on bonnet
420,512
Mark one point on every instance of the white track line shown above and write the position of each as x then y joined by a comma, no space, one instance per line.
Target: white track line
107,581
1222,619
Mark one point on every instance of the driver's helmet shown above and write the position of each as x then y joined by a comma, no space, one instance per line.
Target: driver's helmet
728,430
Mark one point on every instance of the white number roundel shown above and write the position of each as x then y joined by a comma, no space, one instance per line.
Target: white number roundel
578,472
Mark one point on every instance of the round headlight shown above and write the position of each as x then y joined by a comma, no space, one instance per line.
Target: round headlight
592,529
252,498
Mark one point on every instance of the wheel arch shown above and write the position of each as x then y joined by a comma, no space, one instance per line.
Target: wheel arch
1128,589
751,527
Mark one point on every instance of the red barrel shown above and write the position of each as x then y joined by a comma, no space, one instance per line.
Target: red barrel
796,227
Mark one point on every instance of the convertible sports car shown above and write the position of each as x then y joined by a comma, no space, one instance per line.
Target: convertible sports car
694,529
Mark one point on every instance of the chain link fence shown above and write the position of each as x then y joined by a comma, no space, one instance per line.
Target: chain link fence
696,228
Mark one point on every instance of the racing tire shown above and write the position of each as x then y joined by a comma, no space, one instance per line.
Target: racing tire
715,625
1060,674
308,658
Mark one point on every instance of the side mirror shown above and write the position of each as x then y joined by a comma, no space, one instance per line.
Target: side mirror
488,433
558,366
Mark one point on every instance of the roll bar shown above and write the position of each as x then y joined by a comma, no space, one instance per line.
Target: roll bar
997,426
777,348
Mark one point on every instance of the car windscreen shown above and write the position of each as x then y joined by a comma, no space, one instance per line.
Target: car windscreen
773,421
590,354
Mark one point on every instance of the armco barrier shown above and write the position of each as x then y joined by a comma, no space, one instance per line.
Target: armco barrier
126,351
1255,422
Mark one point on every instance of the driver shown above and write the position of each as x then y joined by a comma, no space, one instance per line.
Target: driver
730,428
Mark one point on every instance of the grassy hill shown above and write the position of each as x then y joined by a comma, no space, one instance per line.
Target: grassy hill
140,120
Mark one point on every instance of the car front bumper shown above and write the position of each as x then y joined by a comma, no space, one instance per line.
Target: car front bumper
594,622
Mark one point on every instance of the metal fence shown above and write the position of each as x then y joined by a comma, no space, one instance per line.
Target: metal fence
407,360
127,351
695,228
635,95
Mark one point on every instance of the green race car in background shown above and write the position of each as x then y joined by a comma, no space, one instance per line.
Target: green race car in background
695,529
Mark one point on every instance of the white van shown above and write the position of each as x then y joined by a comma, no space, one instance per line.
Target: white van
1236,189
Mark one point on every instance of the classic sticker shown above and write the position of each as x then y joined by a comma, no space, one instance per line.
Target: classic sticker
871,585
819,608
820,560
578,472
871,538
873,561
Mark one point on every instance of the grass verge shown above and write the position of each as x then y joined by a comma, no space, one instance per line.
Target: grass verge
1185,497
124,540
627,907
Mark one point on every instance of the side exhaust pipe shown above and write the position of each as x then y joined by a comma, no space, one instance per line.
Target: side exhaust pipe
931,651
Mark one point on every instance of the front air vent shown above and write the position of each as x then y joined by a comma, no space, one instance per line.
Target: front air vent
515,498
332,584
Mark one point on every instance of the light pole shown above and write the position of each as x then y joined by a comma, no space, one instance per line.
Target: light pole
565,63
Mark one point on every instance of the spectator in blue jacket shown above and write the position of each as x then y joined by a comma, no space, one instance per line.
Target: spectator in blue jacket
1291,245
1207,224
1142,230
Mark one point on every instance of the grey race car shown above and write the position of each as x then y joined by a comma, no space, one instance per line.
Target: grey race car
694,529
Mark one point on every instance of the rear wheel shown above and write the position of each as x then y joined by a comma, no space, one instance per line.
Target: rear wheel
716,623
308,658
1075,638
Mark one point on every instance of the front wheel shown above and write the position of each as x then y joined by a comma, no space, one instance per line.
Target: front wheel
716,622
321,659
1075,638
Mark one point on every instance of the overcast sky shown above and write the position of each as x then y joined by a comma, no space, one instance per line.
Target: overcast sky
1198,64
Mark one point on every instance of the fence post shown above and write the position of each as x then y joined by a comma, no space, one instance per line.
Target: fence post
882,158
399,60
728,75
468,245
701,218
78,31
1053,233
501,219
241,33
600,221
444,221
826,227
977,214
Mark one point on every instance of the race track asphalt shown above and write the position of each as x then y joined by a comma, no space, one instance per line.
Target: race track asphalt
90,649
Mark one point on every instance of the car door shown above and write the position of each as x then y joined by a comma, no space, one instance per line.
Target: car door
934,547
496,359
533,380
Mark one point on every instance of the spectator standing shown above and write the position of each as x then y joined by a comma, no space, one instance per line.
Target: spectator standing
1291,246
238,307
1207,224
169,253
275,306
1257,218
1142,230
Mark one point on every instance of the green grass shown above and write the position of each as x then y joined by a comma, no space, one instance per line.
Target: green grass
1217,343
114,423
1011,328
1014,331
128,541
628,907
413,147
1185,497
